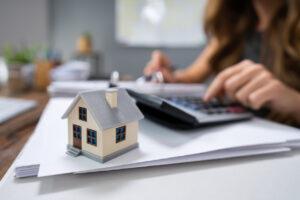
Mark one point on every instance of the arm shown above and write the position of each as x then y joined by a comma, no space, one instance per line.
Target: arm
200,69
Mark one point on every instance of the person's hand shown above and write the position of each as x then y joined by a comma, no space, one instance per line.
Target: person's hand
160,62
253,86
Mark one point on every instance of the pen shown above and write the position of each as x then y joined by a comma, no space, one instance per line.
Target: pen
156,77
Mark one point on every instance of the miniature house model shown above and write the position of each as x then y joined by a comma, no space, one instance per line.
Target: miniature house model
102,124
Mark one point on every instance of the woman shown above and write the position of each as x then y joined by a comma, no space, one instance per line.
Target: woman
254,48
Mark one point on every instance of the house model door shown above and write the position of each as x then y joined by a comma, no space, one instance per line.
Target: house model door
77,136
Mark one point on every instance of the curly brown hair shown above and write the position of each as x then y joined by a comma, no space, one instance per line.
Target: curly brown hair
231,22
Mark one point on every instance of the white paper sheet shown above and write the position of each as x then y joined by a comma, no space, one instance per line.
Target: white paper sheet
71,88
158,143
223,154
28,161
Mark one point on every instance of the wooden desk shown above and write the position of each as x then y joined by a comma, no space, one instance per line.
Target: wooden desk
15,132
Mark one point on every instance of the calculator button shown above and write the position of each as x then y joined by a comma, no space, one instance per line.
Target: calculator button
204,111
182,103
199,108
193,106
212,111
206,106
218,111
174,100
223,110
235,109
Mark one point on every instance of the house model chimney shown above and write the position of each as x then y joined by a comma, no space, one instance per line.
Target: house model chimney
111,96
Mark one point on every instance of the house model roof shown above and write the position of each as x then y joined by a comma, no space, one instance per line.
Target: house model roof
105,116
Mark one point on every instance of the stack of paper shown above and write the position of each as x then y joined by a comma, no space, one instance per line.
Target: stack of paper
71,88
11,107
71,71
44,155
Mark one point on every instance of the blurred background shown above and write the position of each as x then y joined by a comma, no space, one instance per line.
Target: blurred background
107,34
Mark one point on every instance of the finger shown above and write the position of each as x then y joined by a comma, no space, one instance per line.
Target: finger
234,83
243,94
157,59
262,96
167,75
166,62
218,83
149,69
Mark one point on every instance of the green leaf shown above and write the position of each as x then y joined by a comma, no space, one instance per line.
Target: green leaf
23,55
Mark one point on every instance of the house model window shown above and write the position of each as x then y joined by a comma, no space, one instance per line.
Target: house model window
91,137
82,114
76,131
120,134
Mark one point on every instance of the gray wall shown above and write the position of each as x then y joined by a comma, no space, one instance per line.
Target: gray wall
23,21
69,18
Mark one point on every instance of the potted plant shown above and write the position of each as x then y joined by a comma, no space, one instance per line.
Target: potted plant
19,68
84,43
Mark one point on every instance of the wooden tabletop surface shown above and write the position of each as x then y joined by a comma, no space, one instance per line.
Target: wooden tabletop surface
14,133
